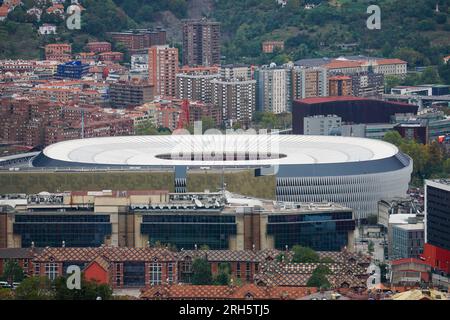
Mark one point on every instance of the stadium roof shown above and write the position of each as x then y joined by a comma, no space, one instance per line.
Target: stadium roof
218,150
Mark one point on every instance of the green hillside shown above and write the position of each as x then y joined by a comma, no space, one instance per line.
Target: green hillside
413,31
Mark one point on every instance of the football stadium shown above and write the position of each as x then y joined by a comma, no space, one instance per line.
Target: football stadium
355,172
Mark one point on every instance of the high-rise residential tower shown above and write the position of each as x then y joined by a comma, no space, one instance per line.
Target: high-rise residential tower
201,42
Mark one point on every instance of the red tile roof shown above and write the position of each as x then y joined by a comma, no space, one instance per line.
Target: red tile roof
331,99
338,64
408,260
247,291
114,254
391,61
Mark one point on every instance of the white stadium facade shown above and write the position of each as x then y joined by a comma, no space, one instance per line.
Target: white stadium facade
351,171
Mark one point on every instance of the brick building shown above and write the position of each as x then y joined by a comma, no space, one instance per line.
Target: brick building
270,46
163,69
98,47
152,267
139,39
37,122
201,42
23,256
61,52
340,86
111,56
125,94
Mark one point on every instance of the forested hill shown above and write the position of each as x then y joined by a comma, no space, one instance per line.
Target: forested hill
411,30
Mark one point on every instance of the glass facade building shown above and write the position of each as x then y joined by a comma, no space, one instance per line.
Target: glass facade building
321,231
438,214
186,231
80,230
407,240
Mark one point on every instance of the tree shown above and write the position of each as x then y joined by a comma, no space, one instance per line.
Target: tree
304,255
90,290
18,15
6,294
444,72
430,75
146,128
201,272
12,272
35,288
429,160
318,278
224,275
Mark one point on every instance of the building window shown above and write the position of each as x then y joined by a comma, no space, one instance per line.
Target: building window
170,271
248,271
51,270
155,273
118,277
37,269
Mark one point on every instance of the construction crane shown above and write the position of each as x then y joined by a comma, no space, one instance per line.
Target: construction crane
183,120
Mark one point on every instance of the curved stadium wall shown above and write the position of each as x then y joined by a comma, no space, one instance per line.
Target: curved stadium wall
354,172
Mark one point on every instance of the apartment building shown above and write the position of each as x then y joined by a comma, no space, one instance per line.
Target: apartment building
163,69
201,42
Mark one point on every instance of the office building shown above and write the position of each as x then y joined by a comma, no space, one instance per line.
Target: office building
408,240
201,42
142,218
391,206
322,125
437,224
397,220
352,110
72,70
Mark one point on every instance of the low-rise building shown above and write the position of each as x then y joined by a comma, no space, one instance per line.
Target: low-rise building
98,46
271,46
181,220
409,272
322,125
73,70
408,240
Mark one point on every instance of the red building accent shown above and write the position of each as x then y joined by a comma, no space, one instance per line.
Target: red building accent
436,257
98,271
